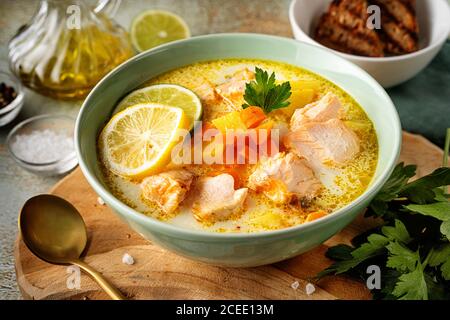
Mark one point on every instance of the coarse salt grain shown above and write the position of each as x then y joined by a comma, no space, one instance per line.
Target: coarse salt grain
127,259
100,201
42,146
310,289
295,285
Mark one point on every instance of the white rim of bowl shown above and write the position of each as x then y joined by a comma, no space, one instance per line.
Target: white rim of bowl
427,48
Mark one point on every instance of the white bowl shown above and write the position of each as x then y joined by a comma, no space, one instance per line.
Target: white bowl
434,24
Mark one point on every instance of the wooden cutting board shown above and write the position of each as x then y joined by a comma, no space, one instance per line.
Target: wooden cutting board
159,274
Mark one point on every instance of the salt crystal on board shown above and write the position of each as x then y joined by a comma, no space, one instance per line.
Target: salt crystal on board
295,285
100,201
127,259
310,289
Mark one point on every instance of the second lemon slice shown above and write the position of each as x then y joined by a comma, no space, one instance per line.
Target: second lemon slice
167,94
155,27
138,141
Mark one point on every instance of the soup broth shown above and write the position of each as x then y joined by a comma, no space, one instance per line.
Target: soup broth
341,183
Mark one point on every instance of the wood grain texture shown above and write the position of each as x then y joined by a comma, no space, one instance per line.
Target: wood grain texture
159,274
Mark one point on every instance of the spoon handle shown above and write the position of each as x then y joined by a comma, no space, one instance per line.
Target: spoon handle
112,291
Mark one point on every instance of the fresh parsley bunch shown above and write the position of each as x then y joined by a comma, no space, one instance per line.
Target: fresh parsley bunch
412,247
264,93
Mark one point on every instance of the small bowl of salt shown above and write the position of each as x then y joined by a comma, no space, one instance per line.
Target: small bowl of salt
44,144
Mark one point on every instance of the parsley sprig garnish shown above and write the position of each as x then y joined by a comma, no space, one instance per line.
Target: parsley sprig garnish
264,93
412,247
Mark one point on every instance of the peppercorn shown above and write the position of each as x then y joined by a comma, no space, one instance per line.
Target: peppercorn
7,94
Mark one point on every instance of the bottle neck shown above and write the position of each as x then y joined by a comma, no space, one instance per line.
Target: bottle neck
63,5
63,2
107,7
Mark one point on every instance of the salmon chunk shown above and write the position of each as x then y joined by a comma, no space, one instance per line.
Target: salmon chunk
207,93
285,177
216,199
167,189
232,90
325,109
329,142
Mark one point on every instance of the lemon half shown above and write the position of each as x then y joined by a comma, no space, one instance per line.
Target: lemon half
138,141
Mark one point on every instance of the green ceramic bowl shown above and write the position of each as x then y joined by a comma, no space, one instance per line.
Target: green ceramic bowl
237,250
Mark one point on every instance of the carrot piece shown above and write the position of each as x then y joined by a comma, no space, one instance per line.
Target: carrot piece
237,176
252,116
207,125
230,121
263,131
315,215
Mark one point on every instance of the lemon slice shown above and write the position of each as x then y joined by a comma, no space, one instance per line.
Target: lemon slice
138,141
167,94
155,27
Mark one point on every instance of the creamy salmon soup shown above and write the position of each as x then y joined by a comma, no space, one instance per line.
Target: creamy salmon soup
238,146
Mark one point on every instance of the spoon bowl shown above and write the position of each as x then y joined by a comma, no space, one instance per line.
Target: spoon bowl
54,231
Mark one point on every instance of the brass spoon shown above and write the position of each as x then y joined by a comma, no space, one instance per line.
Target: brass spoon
54,231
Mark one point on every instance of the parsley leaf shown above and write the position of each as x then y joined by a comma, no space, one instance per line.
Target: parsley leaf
412,247
445,228
397,232
439,194
441,257
445,268
264,93
375,245
401,258
438,210
412,285
421,190
396,182
339,252
391,189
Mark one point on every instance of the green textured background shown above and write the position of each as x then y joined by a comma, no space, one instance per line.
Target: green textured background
424,101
